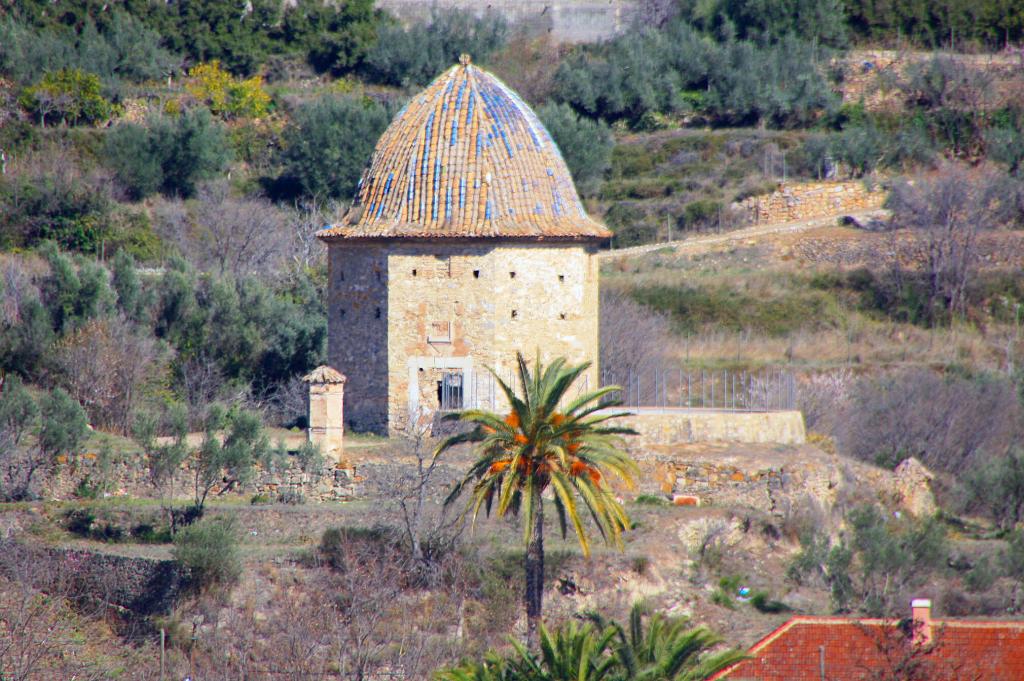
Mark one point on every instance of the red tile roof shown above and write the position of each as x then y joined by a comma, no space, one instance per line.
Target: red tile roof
467,158
878,650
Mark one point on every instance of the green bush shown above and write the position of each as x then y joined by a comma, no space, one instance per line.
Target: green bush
982,575
586,145
120,48
995,486
699,213
329,142
884,556
416,55
59,204
209,551
650,71
334,37
171,155
70,96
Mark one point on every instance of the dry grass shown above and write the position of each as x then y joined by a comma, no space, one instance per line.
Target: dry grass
839,334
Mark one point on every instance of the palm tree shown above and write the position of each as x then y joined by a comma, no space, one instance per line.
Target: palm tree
666,650
602,650
540,444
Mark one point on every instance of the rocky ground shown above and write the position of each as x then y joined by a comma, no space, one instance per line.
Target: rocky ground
754,501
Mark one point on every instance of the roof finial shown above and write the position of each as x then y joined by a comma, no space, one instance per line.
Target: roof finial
464,59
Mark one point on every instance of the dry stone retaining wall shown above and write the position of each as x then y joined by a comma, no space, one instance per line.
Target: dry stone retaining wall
670,427
798,202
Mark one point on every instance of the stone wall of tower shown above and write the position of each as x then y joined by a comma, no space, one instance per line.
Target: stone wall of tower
357,317
464,307
453,306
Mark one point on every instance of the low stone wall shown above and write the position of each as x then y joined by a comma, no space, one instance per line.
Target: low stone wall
670,427
329,482
141,586
795,203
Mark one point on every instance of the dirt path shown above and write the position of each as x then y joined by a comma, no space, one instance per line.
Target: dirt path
707,242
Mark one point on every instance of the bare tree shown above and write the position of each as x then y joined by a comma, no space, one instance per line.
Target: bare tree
224,234
287,403
415,488
898,652
943,421
103,365
949,209
237,236
634,338
359,616
38,639
306,250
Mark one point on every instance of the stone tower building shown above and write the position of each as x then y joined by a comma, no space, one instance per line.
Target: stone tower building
467,242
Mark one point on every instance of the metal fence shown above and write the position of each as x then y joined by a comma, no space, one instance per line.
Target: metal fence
769,389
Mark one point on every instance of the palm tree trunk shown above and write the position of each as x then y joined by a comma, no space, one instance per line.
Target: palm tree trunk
535,577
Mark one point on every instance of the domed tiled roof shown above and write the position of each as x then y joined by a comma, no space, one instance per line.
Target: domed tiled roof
466,158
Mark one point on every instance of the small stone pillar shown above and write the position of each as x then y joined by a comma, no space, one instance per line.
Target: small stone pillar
325,409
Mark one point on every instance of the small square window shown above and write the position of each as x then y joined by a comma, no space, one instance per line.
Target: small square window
561,277
378,275
341,312
476,274
377,313
341,275
414,272
511,275
561,315
515,314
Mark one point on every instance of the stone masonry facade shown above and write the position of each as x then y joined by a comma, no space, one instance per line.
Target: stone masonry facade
403,314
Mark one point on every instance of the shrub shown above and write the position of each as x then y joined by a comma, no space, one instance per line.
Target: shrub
762,602
884,557
52,199
291,497
586,145
981,576
209,551
122,48
334,37
309,457
70,96
332,547
416,55
328,144
995,486
226,95
700,213
945,421
167,155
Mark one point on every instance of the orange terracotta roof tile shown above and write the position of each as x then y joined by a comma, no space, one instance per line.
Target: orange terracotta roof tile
466,158
861,649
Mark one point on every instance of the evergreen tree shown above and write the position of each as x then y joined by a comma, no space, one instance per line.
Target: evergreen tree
329,142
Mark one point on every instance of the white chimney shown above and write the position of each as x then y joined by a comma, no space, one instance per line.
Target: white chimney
921,613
